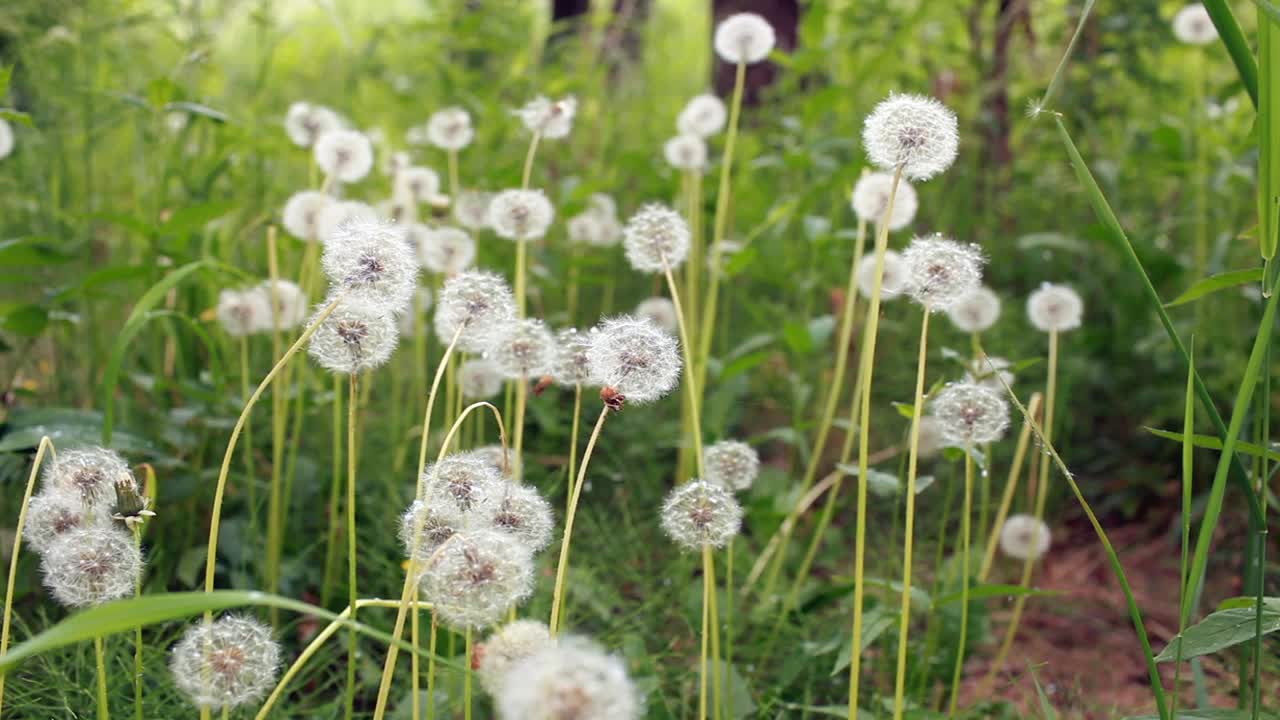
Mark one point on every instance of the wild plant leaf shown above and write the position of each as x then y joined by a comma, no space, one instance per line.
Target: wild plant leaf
1046,707
1209,714
32,251
1216,283
1272,11
984,592
15,116
874,623
1221,630
1240,50
191,108
26,320
1209,442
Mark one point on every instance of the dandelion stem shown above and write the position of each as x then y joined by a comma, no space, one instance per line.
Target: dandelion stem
522,400
46,445
137,637
562,566
352,407
522,262
414,701
691,388
279,418
913,457
335,496
100,658
706,611
527,173
454,185
466,678
965,533
247,455
431,668
717,679
1010,488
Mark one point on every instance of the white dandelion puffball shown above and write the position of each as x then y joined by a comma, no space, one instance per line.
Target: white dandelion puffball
473,303
871,199
476,577
500,459
394,162
286,305
464,483
344,155
242,312
89,473
301,215
91,565
661,311
509,644
450,129
358,335
432,524
991,372
420,184
977,311
941,271
604,203
931,442
399,209
686,152
915,132
570,679
731,464
656,238
407,322
1192,25
338,213
305,123
634,358
573,363
704,116
522,348
479,378
744,38
970,414
50,515
471,209
1055,308
893,281
445,250
372,260
229,662
1023,537
520,214
699,514
6,139
547,118
594,227
525,515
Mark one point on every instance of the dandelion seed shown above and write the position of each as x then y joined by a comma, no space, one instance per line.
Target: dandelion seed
463,483
915,132
970,414
635,358
522,348
893,281
242,312
471,209
476,301
977,311
90,565
661,311
731,464
420,184
336,214
656,238
941,272
305,123
744,38
508,645
871,198
50,515
520,215
286,305
480,379
549,119
89,473
450,129
686,152
992,372
1055,308
301,214
700,514
357,336
476,577
1193,26
1023,537
372,260
525,515
344,155
230,662
570,679
573,363
6,139
704,116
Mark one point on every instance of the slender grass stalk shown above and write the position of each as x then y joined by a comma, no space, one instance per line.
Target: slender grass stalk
730,604
100,660
522,250
137,636
866,373
691,388
706,614
352,595
913,457
414,683
335,495
522,401
247,454
562,566
717,679
1188,476
569,478
279,420
46,445
431,668
466,678
965,532
454,185
1010,488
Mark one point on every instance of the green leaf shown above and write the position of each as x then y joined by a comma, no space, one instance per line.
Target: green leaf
189,218
26,320
1237,46
984,592
1221,630
1209,442
797,337
68,428
1215,283
15,116
29,251
874,624
1046,707
191,108
906,410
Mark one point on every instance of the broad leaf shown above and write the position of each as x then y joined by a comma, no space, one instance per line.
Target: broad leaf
1216,283
1221,630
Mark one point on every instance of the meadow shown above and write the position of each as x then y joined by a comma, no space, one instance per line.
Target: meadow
452,359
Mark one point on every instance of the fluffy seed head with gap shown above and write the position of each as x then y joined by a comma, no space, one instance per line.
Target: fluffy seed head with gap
970,414
744,38
50,515
1193,26
242,312
305,123
476,301
90,565
704,115
635,358
656,238
1023,537
373,261
551,119
522,348
731,464
661,311
433,525
977,311
88,473
503,461
521,215
941,271
595,228
1055,308
931,442
686,152
450,128
871,198
479,379
462,483
471,209
572,364
570,679
344,155
525,515
893,281
229,662
445,250
338,213
476,577
301,214
915,132
699,513
419,184
357,336
286,305
508,645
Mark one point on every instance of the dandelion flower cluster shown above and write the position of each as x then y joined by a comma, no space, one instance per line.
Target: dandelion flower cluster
475,577
1023,537
871,199
525,515
699,514
344,155
90,565
336,214
473,303
894,281
508,645
917,133
450,129
301,214
661,311
286,304
547,118
471,209
522,348
462,482
970,414
230,662
731,464
372,260
445,250
89,473
569,679
977,311
744,38
635,358
432,525
686,151
941,272
1055,308
704,115
479,378
357,336
242,312
305,123
521,215
1193,26
656,239
572,362
930,442
50,515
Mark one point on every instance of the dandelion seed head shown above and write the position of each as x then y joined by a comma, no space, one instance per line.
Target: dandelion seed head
479,378
656,238
394,162
6,139
992,372
301,215
871,198
450,128
476,577
977,311
50,515
525,515
551,119
634,357
434,525
594,227
1193,26
931,441
476,301
522,348
573,362
731,464
443,249
686,152
420,184
89,473
1023,537
941,271
373,261
521,215
915,132
704,115
305,123
744,38
357,336
970,414
463,483
286,304
493,456
471,209
508,645
90,565
345,155
242,312
1055,308
339,213
570,679
661,311
893,282
229,662
699,514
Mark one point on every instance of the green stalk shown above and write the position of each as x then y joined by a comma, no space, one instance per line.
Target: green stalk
706,611
466,678
717,681
573,453
46,445
335,494
137,637
690,378
1188,476
1010,488
1237,46
352,595
247,455
99,654
562,566
965,532
279,411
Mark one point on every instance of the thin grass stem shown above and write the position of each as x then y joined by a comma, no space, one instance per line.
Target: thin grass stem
562,566
45,446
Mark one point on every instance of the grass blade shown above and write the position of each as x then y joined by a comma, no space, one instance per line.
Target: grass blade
1211,442
1215,283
